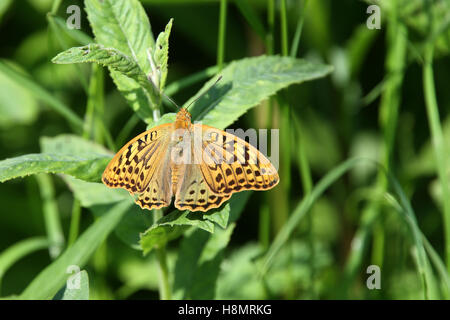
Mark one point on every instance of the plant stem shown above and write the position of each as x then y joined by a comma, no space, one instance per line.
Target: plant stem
51,215
284,29
307,185
439,265
74,222
438,144
285,136
298,30
280,201
164,285
126,129
305,170
95,100
222,31
55,6
396,37
271,22
378,244
264,226
265,210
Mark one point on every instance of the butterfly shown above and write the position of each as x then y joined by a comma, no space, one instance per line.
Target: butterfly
201,165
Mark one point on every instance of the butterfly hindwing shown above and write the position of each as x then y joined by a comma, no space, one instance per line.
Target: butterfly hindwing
231,164
158,191
194,194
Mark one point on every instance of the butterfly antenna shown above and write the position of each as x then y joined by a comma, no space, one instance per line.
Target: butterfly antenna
149,77
218,79
163,94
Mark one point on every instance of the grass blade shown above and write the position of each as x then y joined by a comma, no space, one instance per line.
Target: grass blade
302,209
439,146
52,278
51,215
19,250
42,95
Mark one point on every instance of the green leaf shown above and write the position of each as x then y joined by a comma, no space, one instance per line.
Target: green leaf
11,297
166,118
219,216
175,223
108,57
237,204
89,169
100,199
96,196
75,34
186,218
137,273
17,104
201,255
205,277
88,193
172,226
88,164
92,193
198,263
238,278
47,283
69,144
81,293
161,54
188,256
124,25
19,250
135,221
247,82
158,236
4,6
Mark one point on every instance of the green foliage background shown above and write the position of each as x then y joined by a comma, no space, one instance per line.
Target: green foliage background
364,137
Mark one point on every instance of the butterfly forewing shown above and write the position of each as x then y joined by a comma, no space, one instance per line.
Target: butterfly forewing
137,164
232,164
158,191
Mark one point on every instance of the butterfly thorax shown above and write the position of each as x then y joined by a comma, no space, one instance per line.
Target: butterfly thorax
180,147
183,119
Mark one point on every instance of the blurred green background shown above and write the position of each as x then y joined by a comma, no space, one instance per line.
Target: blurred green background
377,104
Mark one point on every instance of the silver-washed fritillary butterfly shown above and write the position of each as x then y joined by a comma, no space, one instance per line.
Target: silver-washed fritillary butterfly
201,165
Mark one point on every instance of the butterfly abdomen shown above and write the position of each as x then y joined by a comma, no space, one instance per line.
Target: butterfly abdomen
177,174
177,166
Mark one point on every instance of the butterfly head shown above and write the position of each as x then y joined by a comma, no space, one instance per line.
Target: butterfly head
183,119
